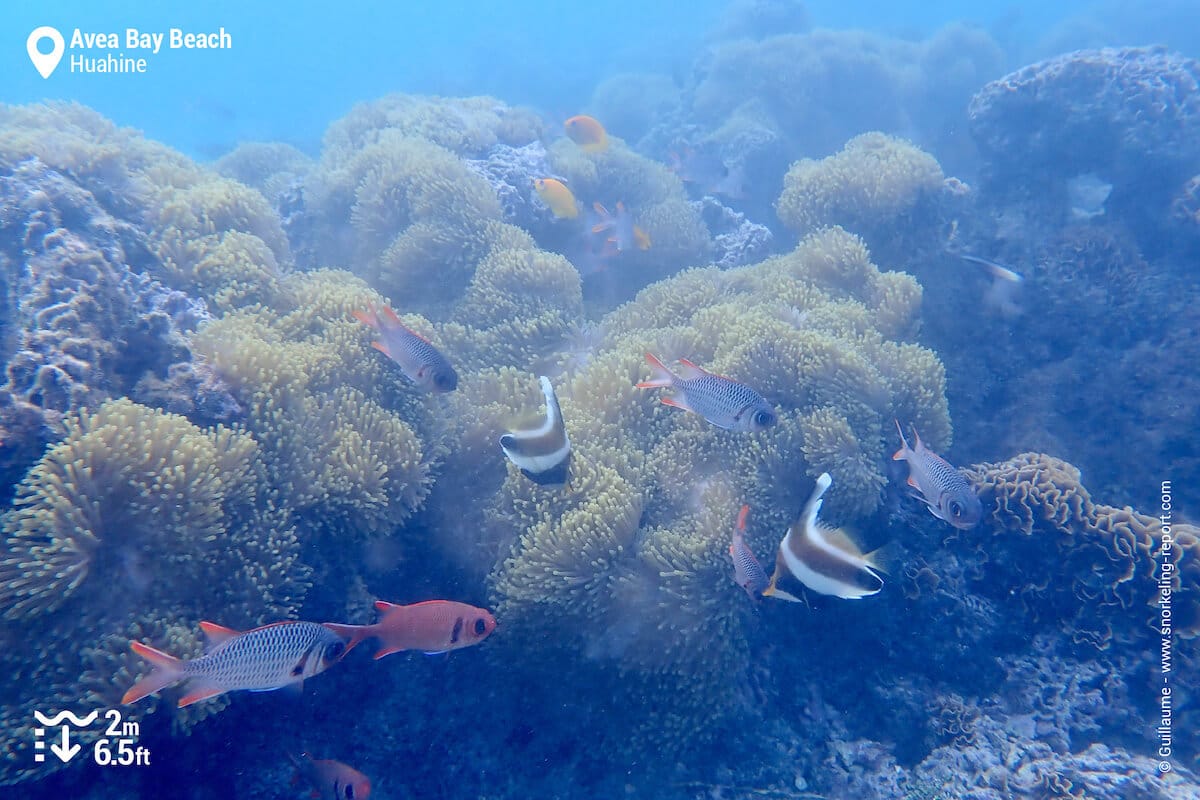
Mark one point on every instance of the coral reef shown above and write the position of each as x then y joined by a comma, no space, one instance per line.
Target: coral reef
877,186
95,524
1107,558
736,240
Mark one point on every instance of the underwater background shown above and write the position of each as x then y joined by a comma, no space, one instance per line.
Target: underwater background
979,222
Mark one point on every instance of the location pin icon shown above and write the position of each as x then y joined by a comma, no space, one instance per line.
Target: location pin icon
45,62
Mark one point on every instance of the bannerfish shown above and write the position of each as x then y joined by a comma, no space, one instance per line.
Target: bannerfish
618,230
557,196
587,132
1003,292
332,780
707,171
724,402
259,660
748,573
938,484
434,626
822,558
543,454
419,360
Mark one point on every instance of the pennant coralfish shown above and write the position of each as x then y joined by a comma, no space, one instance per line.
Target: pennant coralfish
259,660
421,362
543,454
822,558
938,484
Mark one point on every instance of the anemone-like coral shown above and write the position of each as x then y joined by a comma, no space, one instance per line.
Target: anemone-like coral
467,126
1109,560
270,167
876,183
321,403
136,522
630,561
629,104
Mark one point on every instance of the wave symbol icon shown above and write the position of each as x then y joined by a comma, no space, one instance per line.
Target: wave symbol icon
57,719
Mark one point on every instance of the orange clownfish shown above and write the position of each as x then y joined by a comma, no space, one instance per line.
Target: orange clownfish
587,132
555,194
434,626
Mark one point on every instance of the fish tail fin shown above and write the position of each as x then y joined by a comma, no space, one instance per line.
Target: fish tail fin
884,558
904,448
354,635
662,375
168,670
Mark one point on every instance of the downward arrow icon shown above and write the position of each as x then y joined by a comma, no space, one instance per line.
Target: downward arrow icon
65,751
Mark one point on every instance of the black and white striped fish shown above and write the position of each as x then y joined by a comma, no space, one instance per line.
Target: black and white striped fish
543,454
821,558
938,484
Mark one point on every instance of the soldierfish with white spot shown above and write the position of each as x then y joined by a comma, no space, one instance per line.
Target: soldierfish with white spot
748,573
938,484
722,401
421,362
259,660
432,626
821,558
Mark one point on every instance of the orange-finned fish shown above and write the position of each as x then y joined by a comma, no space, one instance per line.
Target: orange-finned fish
587,132
332,780
724,402
557,196
748,573
620,234
821,558
434,626
939,485
258,660
420,361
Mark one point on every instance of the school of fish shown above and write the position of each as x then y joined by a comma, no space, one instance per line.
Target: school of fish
810,557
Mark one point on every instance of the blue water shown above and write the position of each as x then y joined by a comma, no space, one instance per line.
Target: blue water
946,217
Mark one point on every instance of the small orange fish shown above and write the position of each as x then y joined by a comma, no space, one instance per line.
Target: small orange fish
332,780
555,194
434,626
421,362
587,132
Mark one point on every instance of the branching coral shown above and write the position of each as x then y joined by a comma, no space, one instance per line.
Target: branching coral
1108,559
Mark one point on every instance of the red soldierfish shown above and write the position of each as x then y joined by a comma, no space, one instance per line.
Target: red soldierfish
748,573
434,626
939,485
332,780
722,401
420,361
258,660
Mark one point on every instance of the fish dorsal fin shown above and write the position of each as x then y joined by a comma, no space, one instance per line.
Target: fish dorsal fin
366,318
690,371
838,538
600,209
395,320
216,634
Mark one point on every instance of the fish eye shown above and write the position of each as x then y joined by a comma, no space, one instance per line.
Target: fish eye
480,627
956,508
764,419
335,650
447,382
349,793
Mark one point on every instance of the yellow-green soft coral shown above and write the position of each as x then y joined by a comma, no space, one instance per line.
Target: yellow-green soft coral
335,419
873,183
137,524
406,214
